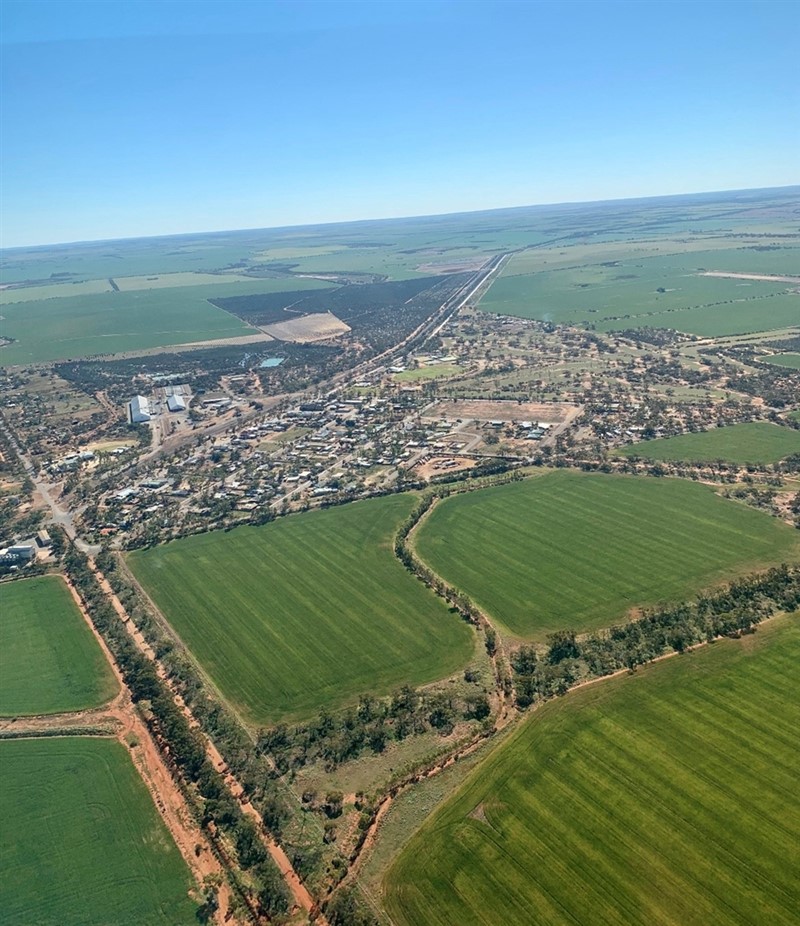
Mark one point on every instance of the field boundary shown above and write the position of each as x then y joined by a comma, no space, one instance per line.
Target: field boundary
301,896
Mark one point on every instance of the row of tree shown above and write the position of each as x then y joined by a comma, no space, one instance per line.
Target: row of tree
183,746
337,738
734,611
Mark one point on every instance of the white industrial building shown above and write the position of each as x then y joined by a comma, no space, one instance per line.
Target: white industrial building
138,410
176,403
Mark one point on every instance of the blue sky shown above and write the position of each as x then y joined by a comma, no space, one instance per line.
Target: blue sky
127,119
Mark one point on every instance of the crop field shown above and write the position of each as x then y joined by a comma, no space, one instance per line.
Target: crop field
569,550
752,314
638,288
54,291
668,796
785,360
49,660
309,611
83,841
753,442
106,323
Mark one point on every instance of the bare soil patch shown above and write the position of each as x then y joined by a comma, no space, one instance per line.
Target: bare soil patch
320,326
488,410
437,466
479,813
765,277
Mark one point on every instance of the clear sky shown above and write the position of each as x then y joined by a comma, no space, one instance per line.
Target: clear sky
122,119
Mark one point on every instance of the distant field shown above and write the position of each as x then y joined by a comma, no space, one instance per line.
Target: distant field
83,841
49,660
669,796
641,288
765,313
54,291
754,442
309,611
170,280
785,360
73,327
571,550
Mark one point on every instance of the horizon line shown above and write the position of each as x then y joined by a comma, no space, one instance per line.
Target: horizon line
394,218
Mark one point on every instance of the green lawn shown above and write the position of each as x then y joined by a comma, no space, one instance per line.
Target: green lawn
428,372
309,611
754,442
82,840
664,797
80,326
49,660
571,550
785,360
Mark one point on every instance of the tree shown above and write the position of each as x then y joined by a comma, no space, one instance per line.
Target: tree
562,646
271,892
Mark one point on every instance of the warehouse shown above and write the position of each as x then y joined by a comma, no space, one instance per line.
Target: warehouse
138,410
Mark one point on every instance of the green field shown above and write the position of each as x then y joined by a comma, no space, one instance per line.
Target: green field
668,796
785,360
81,326
434,371
754,442
571,550
83,842
641,289
49,660
309,611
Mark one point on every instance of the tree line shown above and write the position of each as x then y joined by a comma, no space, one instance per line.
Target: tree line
183,748
731,612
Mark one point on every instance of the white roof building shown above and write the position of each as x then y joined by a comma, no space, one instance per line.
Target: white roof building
138,410
176,403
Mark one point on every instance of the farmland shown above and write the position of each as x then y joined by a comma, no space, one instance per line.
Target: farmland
83,842
49,661
667,796
752,442
105,323
785,360
570,550
640,288
307,612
